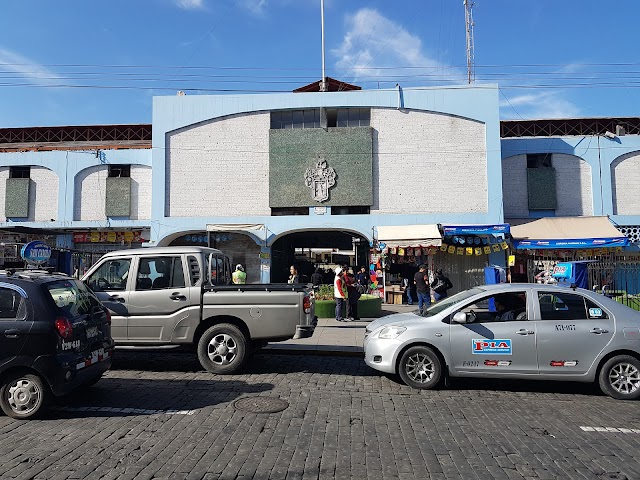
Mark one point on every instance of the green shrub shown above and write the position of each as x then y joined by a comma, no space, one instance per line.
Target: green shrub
325,292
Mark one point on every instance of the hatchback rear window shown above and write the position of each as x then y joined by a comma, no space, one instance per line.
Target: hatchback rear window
72,298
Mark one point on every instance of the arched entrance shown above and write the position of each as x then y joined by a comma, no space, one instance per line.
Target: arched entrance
313,249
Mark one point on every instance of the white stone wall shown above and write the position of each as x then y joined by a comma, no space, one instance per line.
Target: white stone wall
219,168
573,186
625,185
428,163
90,192
4,175
43,194
514,187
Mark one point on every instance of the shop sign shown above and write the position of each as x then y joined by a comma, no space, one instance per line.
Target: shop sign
265,256
107,237
36,253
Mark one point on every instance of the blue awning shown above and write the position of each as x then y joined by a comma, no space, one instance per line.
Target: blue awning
567,233
497,229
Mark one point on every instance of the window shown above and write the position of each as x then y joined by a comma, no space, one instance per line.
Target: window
111,275
538,160
283,211
310,118
194,269
119,171
564,306
502,307
19,172
72,298
12,305
160,272
359,210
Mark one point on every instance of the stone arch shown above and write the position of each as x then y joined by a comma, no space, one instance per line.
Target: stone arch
625,179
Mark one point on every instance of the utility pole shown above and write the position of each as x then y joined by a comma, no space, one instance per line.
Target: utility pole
468,19
323,82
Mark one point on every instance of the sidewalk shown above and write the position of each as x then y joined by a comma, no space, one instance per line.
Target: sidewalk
335,338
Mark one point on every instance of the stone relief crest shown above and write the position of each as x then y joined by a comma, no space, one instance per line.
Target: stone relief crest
320,179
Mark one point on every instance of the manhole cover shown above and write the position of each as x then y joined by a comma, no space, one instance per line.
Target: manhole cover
260,404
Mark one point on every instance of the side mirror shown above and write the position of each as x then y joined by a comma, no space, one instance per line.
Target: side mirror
459,317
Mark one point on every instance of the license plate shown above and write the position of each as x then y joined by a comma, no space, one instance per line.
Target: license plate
92,332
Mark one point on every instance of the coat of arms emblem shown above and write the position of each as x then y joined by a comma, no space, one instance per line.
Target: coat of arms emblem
320,179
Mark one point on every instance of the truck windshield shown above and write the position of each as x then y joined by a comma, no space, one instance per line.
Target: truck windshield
447,302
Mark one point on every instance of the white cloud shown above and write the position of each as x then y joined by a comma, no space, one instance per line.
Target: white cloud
373,41
190,4
256,7
545,104
27,69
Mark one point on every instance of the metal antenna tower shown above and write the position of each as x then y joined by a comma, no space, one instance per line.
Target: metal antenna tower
468,19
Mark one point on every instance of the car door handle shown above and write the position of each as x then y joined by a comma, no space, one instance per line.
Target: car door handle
598,331
12,333
524,331
116,298
177,296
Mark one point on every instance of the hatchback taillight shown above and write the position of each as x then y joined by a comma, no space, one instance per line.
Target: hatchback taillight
306,304
64,328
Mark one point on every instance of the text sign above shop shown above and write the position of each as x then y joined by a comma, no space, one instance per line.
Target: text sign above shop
475,229
571,243
36,253
108,237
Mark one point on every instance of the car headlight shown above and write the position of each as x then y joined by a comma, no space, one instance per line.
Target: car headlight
391,332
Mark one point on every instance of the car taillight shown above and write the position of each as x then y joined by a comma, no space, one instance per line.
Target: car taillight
108,313
307,304
64,328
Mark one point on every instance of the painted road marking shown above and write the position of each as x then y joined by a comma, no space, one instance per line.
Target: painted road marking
610,429
134,411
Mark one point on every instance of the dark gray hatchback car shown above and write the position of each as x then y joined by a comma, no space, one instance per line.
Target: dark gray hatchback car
55,336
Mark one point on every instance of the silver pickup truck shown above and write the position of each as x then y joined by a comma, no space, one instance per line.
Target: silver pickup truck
183,295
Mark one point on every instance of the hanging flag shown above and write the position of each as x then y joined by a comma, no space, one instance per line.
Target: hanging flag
460,250
504,245
487,249
496,247
469,250
444,247
477,251
451,249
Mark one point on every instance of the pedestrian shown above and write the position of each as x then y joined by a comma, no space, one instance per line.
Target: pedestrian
407,289
293,277
239,276
420,280
316,277
353,296
339,293
362,278
440,285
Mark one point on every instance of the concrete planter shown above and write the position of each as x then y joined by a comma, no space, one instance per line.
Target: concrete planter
368,307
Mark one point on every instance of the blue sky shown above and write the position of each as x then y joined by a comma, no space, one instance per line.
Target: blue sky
81,62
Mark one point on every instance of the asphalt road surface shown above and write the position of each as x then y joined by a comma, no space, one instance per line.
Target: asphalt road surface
158,415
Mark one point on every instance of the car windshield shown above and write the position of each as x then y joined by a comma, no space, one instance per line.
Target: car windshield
447,302
72,298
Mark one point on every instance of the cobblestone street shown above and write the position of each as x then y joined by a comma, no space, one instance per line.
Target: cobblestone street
158,415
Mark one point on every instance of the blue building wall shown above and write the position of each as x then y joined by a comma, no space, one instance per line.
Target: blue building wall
598,151
478,103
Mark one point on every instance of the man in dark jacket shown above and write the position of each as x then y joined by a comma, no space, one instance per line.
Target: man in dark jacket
440,285
317,277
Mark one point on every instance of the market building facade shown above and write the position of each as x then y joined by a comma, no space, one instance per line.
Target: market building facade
386,178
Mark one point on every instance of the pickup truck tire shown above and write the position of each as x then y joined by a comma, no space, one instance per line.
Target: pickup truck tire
222,349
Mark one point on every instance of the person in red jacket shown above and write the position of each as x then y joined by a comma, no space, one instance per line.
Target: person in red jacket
339,293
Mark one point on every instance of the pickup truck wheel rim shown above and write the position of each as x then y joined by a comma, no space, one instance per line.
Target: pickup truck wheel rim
420,368
222,349
24,396
624,378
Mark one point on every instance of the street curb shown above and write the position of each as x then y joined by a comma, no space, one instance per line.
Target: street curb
309,351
